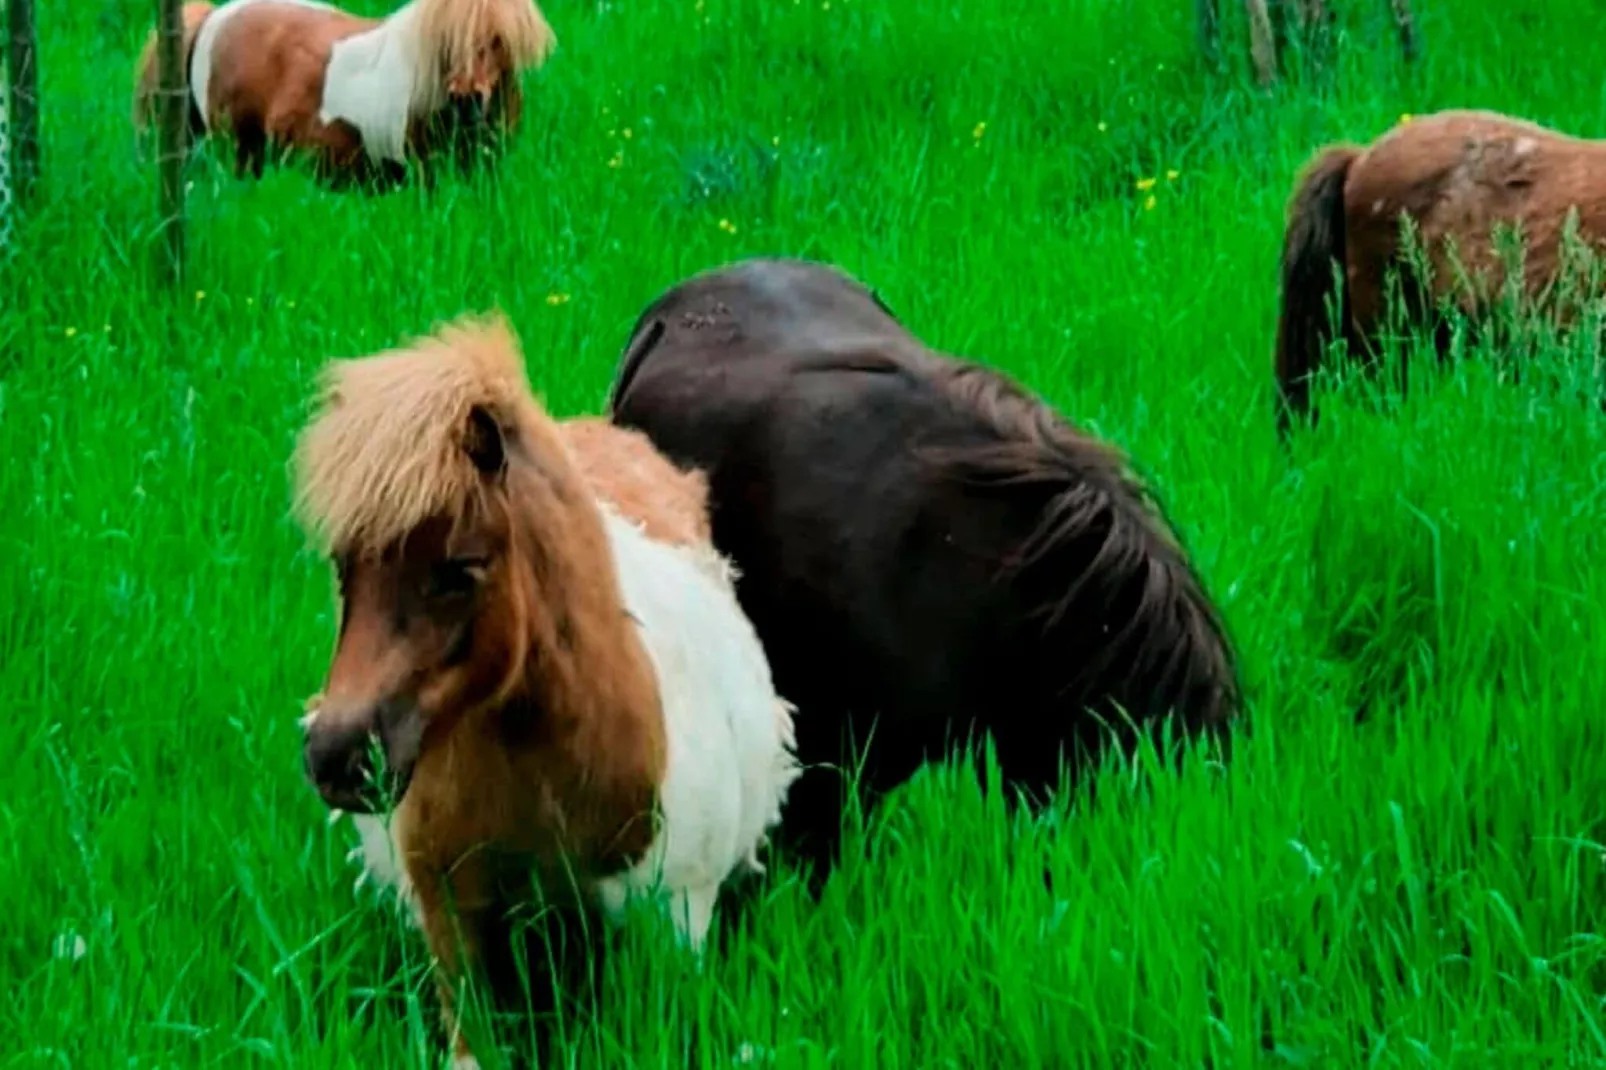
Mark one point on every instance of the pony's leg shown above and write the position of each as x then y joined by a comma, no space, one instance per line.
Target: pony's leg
694,916
1262,46
458,948
1406,27
1209,17
426,171
250,149
810,832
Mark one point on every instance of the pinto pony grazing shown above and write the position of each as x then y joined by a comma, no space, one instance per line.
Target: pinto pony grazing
361,96
545,646
926,550
1457,176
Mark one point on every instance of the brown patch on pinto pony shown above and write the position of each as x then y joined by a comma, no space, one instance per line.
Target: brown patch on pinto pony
1457,176
623,467
483,634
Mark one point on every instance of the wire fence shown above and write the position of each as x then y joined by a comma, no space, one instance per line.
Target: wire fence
19,118
6,213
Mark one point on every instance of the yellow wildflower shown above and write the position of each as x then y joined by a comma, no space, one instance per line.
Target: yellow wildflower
556,299
727,226
1405,117
1145,184
625,133
1172,175
71,331
200,295
1148,205
981,128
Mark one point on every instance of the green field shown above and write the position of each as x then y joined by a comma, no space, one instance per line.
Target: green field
1425,887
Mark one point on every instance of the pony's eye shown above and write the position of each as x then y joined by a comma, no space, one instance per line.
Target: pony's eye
456,576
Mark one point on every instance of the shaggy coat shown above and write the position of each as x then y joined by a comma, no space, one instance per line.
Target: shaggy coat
927,551
1456,177
547,648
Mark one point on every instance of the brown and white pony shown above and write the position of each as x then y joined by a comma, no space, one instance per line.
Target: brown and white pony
1457,177
548,651
361,96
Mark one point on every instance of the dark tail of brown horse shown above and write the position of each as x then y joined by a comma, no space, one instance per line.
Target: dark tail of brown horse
1312,242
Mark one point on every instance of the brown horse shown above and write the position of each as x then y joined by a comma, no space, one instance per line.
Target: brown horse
929,553
547,649
361,96
1457,177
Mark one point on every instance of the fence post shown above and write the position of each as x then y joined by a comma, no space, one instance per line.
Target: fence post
5,154
173,127
1208,15
23,103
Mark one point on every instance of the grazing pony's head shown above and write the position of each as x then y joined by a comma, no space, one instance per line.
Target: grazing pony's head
402,479
477,44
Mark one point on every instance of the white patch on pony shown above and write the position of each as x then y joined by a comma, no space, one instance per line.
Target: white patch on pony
729,735
201,61
380,856
376,80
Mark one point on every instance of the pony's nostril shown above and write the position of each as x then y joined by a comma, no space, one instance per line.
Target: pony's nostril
337,761
356,767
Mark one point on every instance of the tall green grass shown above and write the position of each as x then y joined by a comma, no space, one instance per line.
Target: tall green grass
1422,885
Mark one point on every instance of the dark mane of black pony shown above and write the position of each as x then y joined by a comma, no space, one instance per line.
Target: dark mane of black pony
1170,647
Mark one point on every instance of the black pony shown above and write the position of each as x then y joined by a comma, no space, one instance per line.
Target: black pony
927,551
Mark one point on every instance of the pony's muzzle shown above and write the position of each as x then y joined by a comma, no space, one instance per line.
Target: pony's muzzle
339,765
340,752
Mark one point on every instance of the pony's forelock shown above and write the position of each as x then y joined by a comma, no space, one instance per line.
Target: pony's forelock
454,29
385,449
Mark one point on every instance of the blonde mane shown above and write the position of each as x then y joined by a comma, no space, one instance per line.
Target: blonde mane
385,449
453,30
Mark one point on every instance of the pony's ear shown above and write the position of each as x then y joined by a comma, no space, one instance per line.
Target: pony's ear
484,443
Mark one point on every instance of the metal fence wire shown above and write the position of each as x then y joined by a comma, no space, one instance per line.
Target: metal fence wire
6,212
